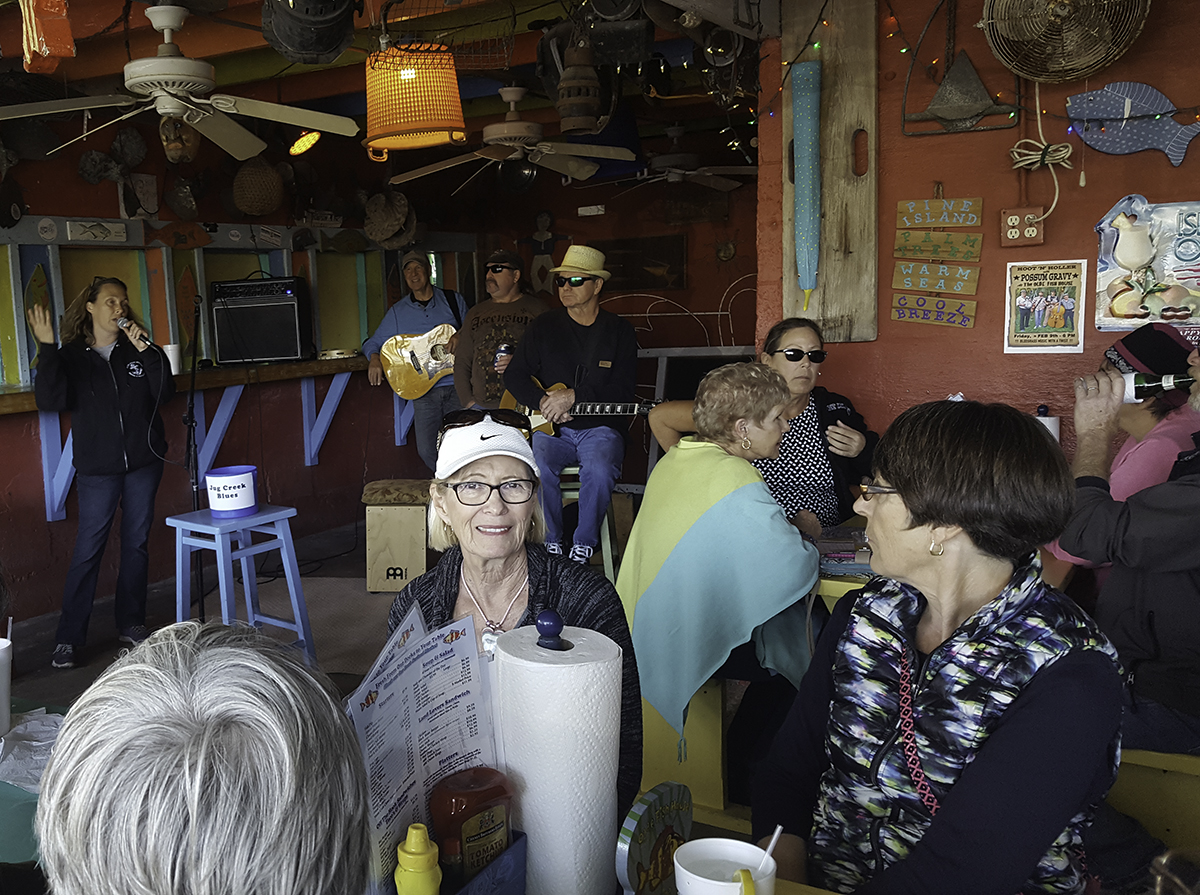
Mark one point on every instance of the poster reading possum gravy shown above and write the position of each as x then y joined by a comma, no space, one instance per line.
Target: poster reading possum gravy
1043,307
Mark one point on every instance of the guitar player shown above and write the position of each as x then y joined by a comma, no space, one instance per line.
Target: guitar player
425,307
594,354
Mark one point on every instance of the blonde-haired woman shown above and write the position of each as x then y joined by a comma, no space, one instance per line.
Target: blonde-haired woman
113,381
485,517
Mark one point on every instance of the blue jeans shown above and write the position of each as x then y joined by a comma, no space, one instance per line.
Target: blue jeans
598,453
428,411
98,499
1150,725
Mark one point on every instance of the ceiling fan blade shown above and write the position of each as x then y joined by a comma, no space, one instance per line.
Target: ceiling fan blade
593,150
743,170
227,134
305,118
724,184
87,134
61,106
572,166
492,153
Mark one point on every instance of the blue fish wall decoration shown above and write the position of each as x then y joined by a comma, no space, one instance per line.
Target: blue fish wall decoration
1127,117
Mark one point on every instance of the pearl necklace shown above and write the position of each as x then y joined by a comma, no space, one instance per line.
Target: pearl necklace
492,630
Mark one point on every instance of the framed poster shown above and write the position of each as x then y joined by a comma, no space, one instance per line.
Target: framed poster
1043,307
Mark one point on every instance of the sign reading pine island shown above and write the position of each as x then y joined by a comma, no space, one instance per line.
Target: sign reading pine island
938,213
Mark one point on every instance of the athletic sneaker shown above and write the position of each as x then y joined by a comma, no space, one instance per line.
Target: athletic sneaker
554,548
135,634
64,656
580,554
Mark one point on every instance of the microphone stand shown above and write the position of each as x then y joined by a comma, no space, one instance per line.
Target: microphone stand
192,458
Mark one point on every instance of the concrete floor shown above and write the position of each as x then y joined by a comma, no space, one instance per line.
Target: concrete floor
338,553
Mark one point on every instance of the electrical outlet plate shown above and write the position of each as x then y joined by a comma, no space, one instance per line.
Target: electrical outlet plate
1021,227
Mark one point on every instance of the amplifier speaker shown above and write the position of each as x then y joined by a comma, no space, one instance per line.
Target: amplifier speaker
262,320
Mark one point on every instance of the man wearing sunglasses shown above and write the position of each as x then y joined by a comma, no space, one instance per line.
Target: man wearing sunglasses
593,353
425,307
491,330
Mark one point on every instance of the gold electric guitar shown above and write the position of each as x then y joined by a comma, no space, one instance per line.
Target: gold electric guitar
583,408
414,364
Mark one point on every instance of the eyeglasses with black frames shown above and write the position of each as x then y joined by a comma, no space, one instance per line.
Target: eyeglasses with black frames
795,355
498,268
458,418
573,282
476,494
867,490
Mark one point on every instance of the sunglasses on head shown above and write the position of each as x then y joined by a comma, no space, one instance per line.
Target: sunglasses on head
459,418
795,355
499,268
573,282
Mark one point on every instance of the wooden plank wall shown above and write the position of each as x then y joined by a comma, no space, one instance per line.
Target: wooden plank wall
845,300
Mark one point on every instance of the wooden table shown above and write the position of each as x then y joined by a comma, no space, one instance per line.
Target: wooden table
783,887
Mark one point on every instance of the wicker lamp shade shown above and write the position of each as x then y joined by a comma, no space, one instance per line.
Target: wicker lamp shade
412,99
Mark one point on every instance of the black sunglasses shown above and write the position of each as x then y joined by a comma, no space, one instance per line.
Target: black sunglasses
457,419
795,355
573,282
498,268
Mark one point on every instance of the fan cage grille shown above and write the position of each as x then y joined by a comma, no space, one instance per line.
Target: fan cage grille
1034,43
412,99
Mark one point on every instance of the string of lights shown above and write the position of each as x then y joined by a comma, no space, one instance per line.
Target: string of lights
808,42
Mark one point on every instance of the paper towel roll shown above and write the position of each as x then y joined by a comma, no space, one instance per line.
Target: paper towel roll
560,728
5,685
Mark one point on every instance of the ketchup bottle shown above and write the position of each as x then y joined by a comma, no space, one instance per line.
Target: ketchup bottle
472,813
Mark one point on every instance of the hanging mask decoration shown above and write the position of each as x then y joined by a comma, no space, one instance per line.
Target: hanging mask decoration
180,140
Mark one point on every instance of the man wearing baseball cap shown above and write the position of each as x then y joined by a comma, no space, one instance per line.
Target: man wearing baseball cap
425,307
577,353
491,330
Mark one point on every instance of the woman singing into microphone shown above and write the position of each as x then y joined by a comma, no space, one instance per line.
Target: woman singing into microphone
113,381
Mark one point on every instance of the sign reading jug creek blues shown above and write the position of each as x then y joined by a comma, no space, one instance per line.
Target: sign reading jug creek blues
938,213
232,491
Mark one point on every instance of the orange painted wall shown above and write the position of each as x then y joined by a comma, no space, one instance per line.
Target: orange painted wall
912,362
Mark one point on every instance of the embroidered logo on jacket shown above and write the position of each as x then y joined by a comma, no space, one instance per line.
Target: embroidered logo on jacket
135,369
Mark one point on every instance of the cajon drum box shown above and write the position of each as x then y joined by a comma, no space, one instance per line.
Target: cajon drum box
396,535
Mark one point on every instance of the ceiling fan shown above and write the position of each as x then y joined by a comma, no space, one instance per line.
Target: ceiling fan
676,166
517,139
174,86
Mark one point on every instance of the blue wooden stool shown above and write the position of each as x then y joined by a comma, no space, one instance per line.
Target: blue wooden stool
200,531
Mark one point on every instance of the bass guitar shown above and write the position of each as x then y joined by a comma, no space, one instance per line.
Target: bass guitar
414,364
582,408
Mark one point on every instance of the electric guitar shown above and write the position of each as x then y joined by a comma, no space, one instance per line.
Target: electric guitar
414,364
583,408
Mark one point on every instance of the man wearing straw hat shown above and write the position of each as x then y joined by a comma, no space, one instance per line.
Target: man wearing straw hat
425,307
577,353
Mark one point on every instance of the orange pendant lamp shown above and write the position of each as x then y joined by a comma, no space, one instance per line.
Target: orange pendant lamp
412,98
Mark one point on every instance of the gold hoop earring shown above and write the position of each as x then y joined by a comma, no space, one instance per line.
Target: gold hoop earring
746,445
940,548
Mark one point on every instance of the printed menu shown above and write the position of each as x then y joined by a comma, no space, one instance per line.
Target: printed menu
421,714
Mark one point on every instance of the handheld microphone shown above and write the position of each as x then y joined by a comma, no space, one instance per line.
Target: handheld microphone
125,323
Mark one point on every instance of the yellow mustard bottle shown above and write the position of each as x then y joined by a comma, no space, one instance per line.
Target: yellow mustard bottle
417,870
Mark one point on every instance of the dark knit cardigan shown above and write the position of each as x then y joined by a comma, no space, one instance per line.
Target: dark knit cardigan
584,599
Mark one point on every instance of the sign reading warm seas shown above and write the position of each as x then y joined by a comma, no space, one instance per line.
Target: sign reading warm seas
938,213
933,277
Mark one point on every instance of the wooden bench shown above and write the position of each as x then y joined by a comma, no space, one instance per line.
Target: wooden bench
396,532
1162,791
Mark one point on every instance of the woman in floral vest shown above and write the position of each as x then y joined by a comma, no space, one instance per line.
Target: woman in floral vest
960,719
